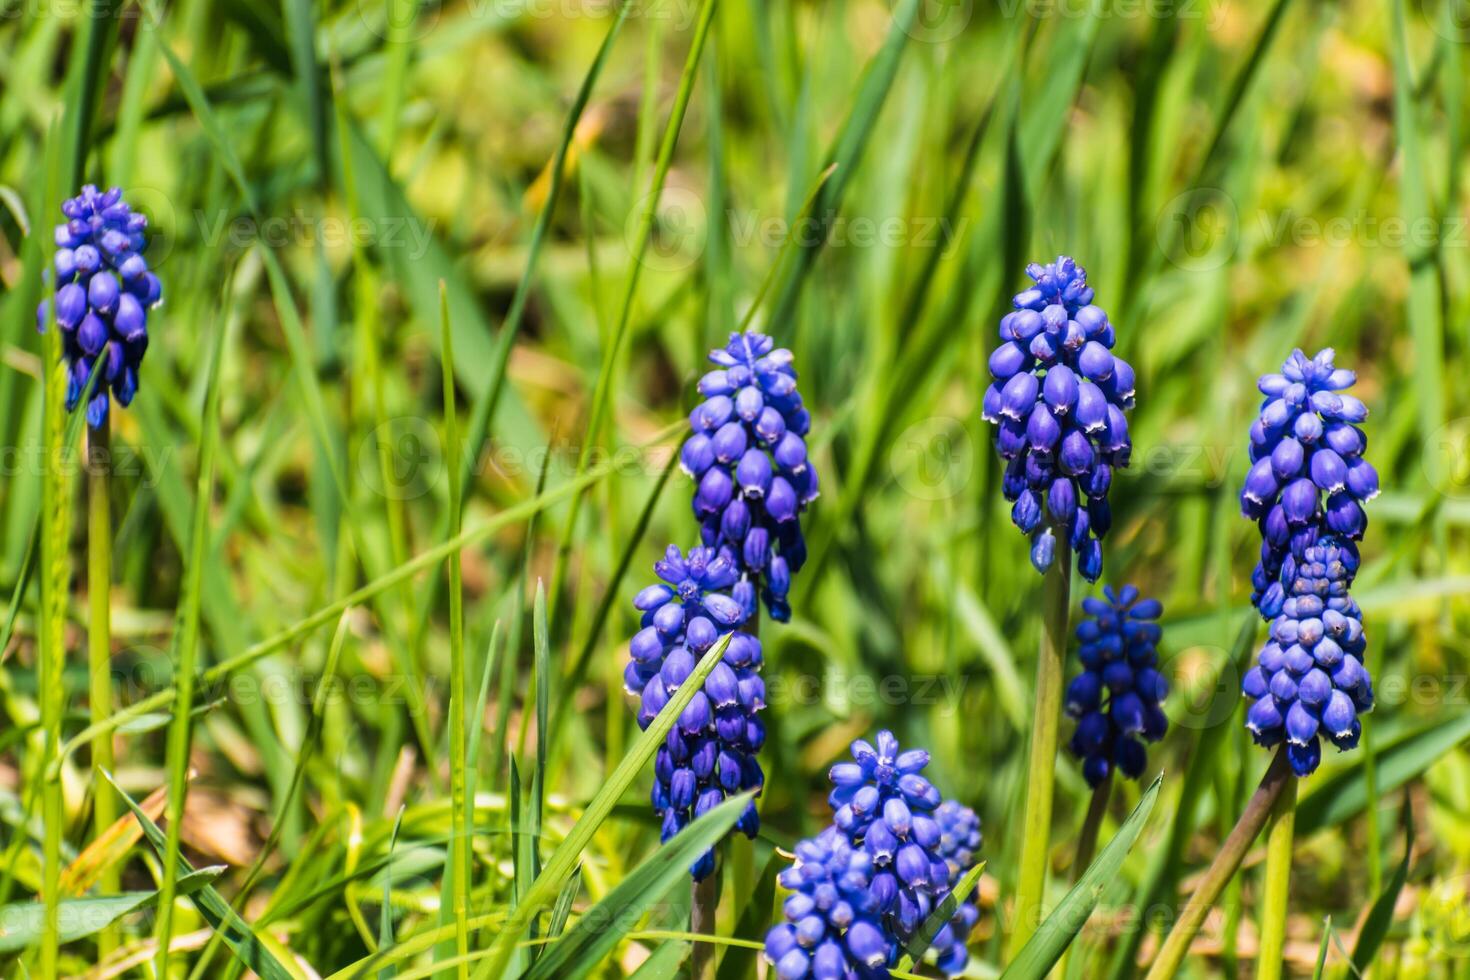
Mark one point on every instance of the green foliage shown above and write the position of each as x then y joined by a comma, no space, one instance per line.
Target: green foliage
457,266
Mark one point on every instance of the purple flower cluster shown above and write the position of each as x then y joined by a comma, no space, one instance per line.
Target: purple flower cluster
1309,682
710,753
1116,697
748,453
1058,397
103,292
896,850
832,929
959,847
1305,446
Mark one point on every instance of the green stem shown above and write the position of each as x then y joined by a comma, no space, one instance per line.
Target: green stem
51,663
704,905
1222,870
1278,883
99,648
1041,772
458,741
1087,839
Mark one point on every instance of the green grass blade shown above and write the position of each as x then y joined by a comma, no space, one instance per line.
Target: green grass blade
1375,927
459,868
428,559
385,912
569,852
1054,935
562,910
1322,949
186,653
919,945
584,948
1342,795
251,952
602,393
847,150
83,917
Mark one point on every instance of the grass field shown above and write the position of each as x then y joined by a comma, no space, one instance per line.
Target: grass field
439,281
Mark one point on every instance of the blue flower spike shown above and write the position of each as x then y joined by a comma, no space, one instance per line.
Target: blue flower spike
1058,398
748,456
103,292
1306,487
1117,698
1308,476
710,753
1309,683
865,885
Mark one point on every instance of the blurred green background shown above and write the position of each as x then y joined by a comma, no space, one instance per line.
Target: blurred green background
1239,179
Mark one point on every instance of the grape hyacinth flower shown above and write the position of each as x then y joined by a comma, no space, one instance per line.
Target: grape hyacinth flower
959,846
1058,399
1305,444
710,753
748,455
883,803
1116,697
1309,682
103,290
832,929
866,884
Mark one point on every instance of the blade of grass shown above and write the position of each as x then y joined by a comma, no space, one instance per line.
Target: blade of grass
185,656
1322,950
385,913
246,945
425,560
924,938
1375,927
602,393
459,866
83,917
847,149
1054,935
298,776
586,945
1342,795
565,857
55,585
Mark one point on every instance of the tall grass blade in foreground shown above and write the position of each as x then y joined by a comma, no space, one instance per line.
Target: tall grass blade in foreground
186,653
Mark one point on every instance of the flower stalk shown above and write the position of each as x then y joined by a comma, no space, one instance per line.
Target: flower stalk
1041,771
99,646
1222,870
1279,838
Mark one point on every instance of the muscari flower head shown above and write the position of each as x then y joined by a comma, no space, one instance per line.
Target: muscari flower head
1308,477
1309,682
710,753
1116,697
748,453
1058,398
959,846
865,885
103,292
833,928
